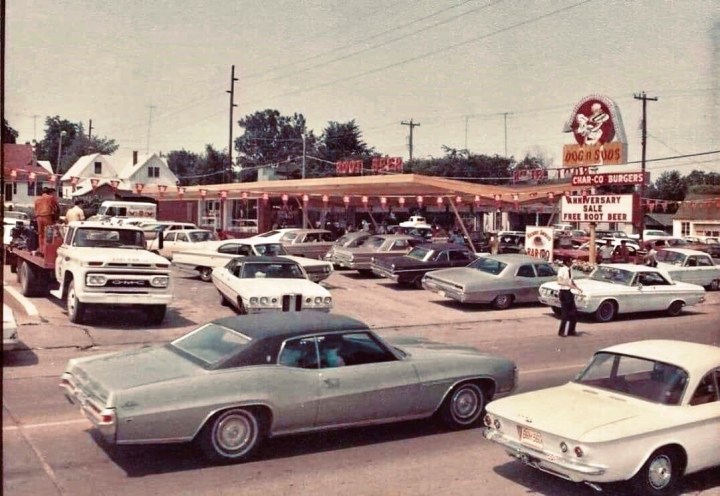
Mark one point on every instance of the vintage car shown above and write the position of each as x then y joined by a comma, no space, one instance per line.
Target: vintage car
10,330
626,288
582,253
233,382
646,412
268,284
310,243
179,240
348,240
500,280
218,253
691,266
152,228
512,243
377,247
409,269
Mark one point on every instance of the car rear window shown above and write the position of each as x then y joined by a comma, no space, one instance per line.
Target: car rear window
211,344
488,265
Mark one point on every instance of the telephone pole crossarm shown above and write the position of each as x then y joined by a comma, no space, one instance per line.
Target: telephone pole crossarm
412,125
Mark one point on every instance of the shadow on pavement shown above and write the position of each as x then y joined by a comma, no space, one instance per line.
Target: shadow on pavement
22,357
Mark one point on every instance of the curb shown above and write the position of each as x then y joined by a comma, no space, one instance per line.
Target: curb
16,300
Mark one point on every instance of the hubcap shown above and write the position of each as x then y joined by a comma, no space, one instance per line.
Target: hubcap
72,303
234,433
660,472
465,404
606,311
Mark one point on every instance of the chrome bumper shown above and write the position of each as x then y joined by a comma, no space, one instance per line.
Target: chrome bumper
547,462
103,419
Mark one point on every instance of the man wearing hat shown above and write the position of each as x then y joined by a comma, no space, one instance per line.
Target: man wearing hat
47,209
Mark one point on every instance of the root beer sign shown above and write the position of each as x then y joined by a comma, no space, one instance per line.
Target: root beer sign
597,208
599,134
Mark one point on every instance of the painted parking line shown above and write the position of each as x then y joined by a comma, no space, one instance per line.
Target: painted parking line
46,424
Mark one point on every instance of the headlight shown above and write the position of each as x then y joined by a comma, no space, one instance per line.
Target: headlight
351,258
318,300
264,300
392,266
487,420
308,300
563,447
160,281
254,300
327,300
95,280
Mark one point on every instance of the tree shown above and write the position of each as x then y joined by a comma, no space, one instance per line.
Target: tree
9,135
75,144
184,165
270,138
669,186
194,169
491,169
338,141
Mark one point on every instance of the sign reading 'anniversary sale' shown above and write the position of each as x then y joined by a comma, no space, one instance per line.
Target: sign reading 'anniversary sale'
597,208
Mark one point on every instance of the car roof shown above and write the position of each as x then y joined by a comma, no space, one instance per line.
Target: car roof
263,259
287,325
685,251
696,357
103,225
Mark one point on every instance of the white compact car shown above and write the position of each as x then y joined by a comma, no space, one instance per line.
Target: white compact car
646,412
626,288
268,284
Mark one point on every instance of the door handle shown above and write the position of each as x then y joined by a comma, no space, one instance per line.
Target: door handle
332,383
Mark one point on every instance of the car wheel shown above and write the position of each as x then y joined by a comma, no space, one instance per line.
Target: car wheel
205,274
715,285
223,300
606,311
75,308
675,308
463,407
502,302
659,475
557,311
232,436
418,282
155,313
365,272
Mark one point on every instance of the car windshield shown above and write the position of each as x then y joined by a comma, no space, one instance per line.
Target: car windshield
112,238
198,236
643,378
488,265
420,253
270,250
670,257
272,271
612,274
211,344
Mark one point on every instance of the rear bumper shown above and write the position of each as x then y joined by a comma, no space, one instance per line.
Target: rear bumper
103,419
560,467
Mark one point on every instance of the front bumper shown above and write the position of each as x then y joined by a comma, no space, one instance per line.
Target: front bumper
560,467
125,298
383,272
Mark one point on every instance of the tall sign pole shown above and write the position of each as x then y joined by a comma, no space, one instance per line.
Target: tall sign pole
642,96
227,176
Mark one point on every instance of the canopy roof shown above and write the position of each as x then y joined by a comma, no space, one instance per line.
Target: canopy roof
388,186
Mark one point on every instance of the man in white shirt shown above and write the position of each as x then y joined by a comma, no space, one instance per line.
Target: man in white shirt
606,252
568,313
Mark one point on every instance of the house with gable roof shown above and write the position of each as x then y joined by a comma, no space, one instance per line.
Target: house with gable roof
99,175
23,177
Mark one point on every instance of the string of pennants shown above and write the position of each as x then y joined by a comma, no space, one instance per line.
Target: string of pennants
498,198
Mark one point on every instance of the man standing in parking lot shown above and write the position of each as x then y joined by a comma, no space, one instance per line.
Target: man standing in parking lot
606,252
47,210
568,316
75,213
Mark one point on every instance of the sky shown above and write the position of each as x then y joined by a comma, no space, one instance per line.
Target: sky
493,76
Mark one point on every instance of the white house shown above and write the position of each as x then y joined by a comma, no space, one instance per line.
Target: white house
99,174
699,215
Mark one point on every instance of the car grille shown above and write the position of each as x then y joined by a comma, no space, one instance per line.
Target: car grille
127,283
291,303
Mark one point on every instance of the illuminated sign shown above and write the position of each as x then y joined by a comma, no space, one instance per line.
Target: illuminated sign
349,167
621,178
387,164
598,131
597,208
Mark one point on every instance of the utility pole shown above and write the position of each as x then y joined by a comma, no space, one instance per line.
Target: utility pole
642,96
505,114
90,130
150,107
410,144
304,138
232,106
467,120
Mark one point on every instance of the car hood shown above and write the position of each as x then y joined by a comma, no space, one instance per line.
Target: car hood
125,370
461,275
275,286
570,411
118,255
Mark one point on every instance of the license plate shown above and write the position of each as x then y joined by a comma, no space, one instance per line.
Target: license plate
531,437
